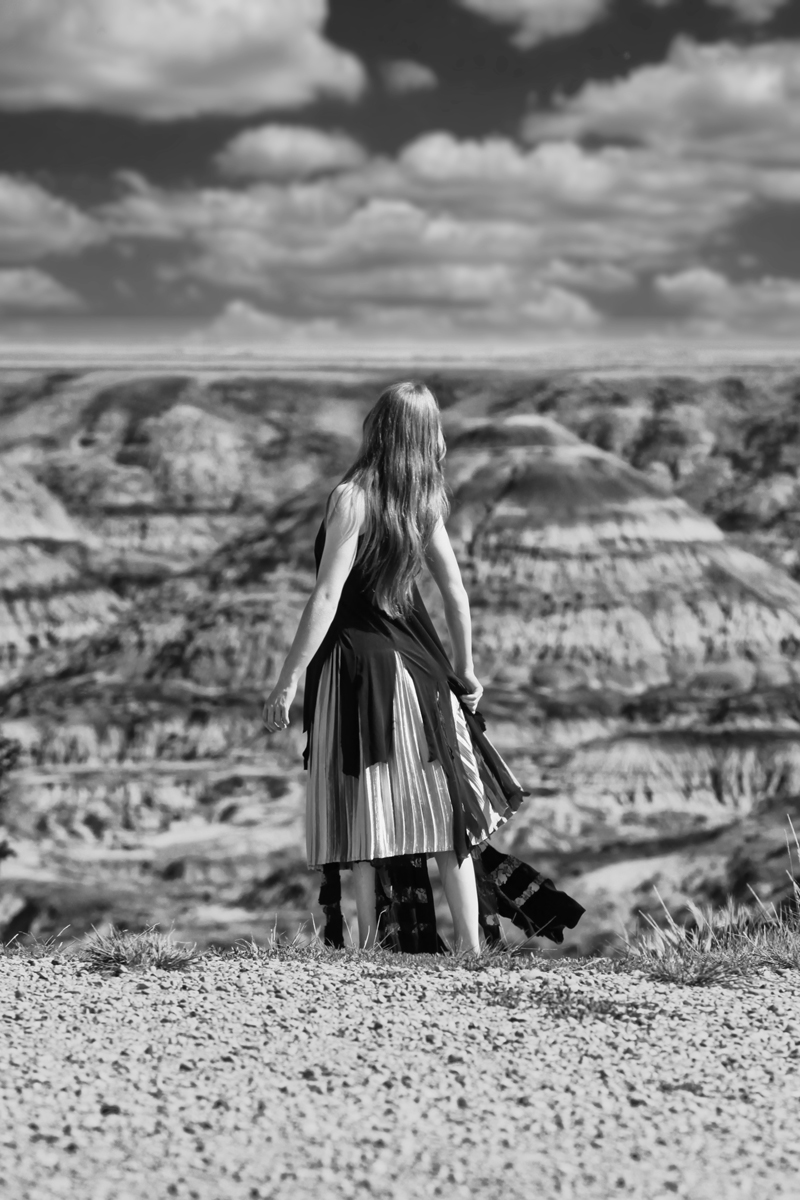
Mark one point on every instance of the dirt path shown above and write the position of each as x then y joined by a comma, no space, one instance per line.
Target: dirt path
249,1079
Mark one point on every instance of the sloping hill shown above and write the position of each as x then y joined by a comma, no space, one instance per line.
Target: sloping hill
641,668
49,596
649,668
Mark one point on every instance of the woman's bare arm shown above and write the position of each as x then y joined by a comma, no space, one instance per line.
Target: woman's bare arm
443,566
338,556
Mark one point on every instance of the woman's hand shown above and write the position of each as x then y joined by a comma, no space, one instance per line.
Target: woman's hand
472,698
275,713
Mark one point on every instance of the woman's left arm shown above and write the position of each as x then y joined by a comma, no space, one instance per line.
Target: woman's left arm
338,556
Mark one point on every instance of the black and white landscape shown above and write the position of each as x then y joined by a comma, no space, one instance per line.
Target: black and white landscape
628,539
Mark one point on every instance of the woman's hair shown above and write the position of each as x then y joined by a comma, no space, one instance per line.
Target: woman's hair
399,469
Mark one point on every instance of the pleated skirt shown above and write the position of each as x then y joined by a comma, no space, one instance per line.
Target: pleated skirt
398,807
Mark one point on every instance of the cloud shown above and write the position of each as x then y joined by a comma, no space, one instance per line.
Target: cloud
733,103
405,75
608,204
459,234
536,21
553,311
27,289
241,323
167,59
770,305
34,223
485,229
596,276
289,152
345,246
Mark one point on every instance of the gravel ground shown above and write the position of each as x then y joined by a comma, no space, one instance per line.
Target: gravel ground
362,1075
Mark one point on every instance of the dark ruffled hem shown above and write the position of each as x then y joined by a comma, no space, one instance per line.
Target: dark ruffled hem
406,918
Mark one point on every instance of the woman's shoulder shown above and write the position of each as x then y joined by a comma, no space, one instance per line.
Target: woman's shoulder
347,503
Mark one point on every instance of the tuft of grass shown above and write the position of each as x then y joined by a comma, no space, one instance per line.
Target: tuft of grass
120,949
30,946
722,945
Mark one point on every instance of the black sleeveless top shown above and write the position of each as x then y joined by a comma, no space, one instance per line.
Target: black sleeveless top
368,639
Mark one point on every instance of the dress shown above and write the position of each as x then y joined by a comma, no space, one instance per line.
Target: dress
399,769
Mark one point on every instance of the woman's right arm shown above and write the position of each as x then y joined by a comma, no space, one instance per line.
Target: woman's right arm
338,555
443,566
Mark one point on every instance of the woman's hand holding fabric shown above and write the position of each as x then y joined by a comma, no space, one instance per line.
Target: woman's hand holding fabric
275,713
473,696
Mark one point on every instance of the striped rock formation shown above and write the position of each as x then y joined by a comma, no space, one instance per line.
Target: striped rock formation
642,672
164,470
49,596
640,667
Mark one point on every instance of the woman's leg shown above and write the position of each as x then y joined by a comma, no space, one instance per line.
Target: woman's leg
462,896
364,876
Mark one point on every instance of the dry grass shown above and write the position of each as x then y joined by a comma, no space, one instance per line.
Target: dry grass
119,949
723,945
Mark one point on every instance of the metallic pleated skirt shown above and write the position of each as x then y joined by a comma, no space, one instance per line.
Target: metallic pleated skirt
392,808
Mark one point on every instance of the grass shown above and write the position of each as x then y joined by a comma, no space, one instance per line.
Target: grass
721,946
111,952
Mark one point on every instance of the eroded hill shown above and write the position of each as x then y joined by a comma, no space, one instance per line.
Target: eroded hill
640,661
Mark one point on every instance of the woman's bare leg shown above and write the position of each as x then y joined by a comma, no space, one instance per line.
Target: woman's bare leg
462,896
364,876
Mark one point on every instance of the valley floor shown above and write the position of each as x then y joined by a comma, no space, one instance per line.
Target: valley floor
255,1077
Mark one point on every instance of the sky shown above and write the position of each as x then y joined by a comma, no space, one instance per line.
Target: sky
290,173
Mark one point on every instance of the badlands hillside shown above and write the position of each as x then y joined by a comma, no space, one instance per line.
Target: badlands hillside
627,540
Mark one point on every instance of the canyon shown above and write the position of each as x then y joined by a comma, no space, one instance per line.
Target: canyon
627,540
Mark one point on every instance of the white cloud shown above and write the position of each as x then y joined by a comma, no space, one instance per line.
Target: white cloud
405,75
538,20
338,248
557,307
609,204
289,152
597,276
34,223
165,59
481,228
557,168
770,305
27,289
733,103
241,323
458,233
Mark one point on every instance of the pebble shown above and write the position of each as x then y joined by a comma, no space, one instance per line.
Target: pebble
351,1077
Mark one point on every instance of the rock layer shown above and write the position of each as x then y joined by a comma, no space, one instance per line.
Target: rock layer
641,667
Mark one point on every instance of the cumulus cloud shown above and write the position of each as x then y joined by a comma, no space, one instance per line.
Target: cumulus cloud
162,59
241,323
455,233
536,21
28,289
486,230
289,152
596,276
610,203
735,103
405,75
769,305
443,201
34,223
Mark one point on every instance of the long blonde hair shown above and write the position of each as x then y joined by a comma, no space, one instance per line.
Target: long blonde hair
399,469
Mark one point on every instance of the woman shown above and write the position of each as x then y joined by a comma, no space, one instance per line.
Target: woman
399,765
